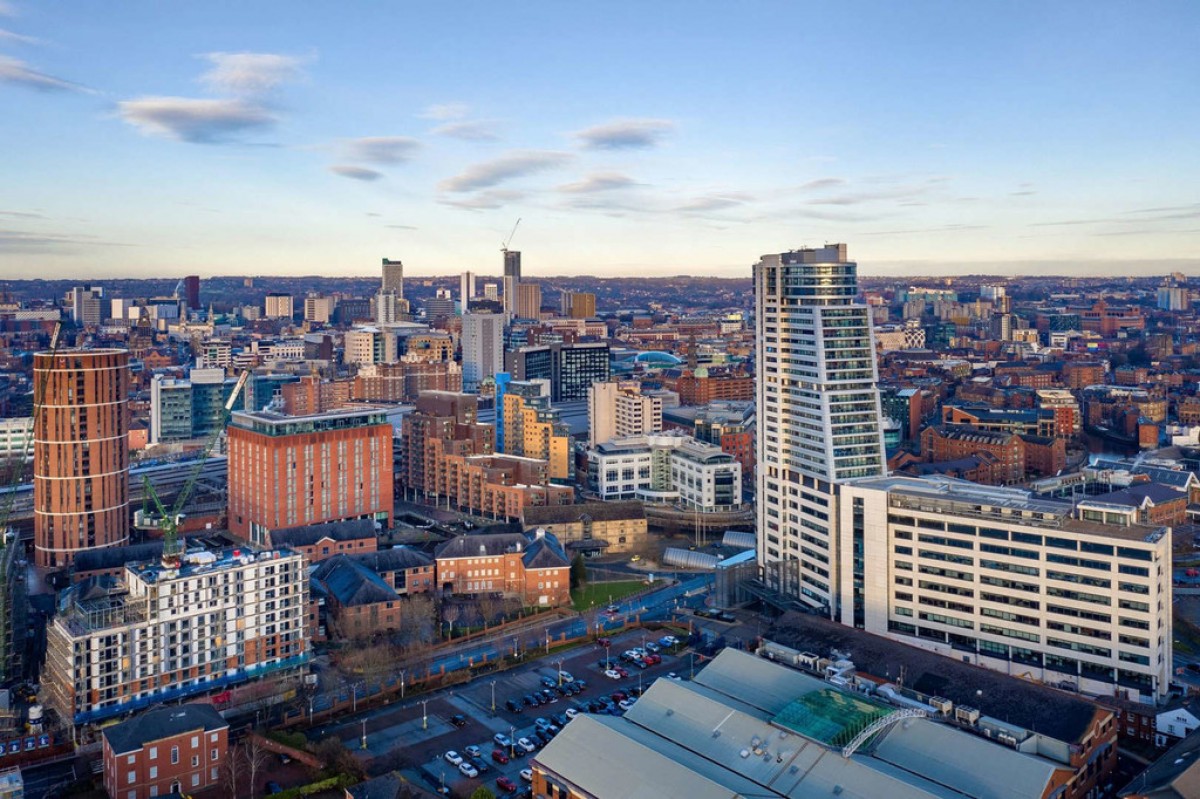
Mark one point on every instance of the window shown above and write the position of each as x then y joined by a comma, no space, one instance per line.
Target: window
214,754
131,778
195,761
174,755
129,760
154,772
153,753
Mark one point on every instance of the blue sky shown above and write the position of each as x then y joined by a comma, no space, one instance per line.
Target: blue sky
155,138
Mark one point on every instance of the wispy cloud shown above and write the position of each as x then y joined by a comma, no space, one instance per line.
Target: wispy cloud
243,74
381,149
485,200
17,38
18,73
26,241
508,167
7,9
715,202
22,214
469,130
597,182
625,134
937,229
355,172
402,227
445,111
192,120
821,184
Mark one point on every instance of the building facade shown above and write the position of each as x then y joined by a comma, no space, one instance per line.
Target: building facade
160,634
1075,595
619,409
482,348
80,453
512,279
288,471
818,409
666,468
168,750
570,368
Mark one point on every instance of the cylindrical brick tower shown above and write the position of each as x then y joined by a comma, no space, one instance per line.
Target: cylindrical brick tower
80,453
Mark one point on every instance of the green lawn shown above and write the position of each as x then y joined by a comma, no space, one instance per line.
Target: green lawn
597,594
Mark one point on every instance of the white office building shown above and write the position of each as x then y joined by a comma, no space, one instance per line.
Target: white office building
619,409
1075,595
482,348
668,468
819,417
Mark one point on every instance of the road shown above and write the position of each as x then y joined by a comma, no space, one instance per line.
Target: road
41,779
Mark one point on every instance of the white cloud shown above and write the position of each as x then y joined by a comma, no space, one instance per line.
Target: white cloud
485,200
249,73
513,165
17,38
381,149
625,134
715,202
192,120
600,181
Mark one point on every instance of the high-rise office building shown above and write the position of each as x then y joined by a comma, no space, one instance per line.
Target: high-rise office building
80,453
181,410
287,471
278,306
512,279
482,348
87,305
440,306
578,304
529,301
319,309
570,368
393,277
191,291
466,290
819,419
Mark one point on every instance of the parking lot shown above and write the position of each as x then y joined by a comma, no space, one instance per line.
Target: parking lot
415,736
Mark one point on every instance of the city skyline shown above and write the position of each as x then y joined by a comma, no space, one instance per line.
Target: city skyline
938,138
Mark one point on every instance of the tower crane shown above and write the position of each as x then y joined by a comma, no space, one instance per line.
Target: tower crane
508,241
169,520
9,544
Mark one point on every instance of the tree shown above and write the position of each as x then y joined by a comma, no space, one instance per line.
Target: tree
231,773
483,792
337,758
578,572
451,612
256,756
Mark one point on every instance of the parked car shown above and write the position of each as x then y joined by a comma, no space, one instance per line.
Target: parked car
480,764
506,785
625,704
453,758
525,745
502,740
560,719
668,640
512,706
651,647
571,713
612,674
468,771
623,672
472,750
652,660
527,774
603,642
549,682
500,756
618,696
458,720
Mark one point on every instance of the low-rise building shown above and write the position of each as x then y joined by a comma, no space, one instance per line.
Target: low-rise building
320,541
665,468
609,528
167,751
532,567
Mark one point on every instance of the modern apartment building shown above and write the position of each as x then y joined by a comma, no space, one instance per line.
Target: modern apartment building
80,453
534,429
370,345
406,380
1072,594
819,419
160,634
666,468
578,304
482,348
16,438
444,422
288,471
529,301
168,750
619,409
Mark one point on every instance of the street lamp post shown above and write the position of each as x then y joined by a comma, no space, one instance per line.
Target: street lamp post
424,715
354,696
401,683
512,742
547,640
363,745
693,665
559,662
493,697
607,660
310,709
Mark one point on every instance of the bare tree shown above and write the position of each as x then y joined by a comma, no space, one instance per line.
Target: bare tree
451,612
231,772
256,756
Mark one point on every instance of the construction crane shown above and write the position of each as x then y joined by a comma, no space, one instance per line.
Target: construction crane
10,544
168,521
508,241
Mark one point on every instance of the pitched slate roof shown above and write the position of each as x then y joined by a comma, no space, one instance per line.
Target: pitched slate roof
394,559
351,583
129,736
545,552
115,557
480,545
1138,493
309,535
596,511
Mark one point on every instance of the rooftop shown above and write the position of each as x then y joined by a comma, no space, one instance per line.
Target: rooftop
129,736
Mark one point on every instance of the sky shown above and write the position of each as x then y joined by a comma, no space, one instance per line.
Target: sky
147,138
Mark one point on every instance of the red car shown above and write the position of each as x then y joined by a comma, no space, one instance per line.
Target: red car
506,785
619,696
621,670
500,756
652,660
603,642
